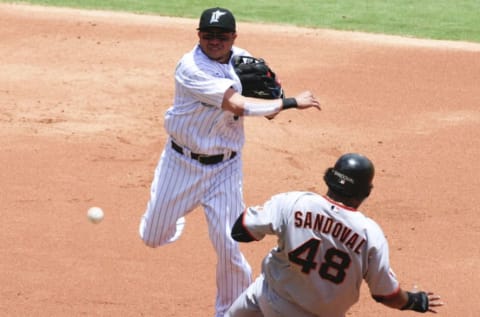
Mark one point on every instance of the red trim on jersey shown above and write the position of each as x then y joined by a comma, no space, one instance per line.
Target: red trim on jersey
339,204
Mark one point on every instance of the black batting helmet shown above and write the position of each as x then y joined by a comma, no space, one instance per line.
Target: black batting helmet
351,176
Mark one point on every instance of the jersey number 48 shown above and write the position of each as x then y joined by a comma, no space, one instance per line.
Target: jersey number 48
334,265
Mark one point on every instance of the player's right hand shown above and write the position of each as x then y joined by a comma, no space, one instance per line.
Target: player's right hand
306,100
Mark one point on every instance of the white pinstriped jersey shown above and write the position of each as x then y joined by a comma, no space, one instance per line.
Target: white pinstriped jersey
324,252
196,119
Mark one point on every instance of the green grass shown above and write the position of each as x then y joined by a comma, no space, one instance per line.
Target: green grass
435,19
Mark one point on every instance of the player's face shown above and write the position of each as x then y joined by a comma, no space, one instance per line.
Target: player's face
217,44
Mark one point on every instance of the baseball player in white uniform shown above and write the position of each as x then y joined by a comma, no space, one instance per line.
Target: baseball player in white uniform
201,162
326,247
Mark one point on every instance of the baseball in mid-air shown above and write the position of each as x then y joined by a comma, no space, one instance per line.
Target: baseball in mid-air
95,214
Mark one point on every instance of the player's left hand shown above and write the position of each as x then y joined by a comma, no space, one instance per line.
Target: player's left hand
433,301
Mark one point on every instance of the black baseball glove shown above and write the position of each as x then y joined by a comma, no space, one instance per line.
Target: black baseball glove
258,80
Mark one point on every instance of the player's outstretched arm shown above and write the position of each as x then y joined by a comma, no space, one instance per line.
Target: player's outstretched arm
249,106
418,301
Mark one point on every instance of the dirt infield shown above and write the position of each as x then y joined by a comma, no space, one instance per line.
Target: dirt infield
82,97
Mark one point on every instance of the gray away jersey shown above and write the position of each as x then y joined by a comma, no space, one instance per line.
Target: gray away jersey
324,252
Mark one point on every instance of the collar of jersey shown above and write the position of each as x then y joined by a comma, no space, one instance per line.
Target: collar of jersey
336,203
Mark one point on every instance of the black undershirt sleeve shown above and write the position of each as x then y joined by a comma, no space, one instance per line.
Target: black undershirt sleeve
239,233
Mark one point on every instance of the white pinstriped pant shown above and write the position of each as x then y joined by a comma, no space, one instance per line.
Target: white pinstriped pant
180,185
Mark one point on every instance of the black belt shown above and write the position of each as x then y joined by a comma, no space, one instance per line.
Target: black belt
202,158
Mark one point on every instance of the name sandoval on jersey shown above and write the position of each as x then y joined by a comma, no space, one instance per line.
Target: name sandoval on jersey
327,225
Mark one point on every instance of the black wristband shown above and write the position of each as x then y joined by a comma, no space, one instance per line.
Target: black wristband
288,103
417,302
